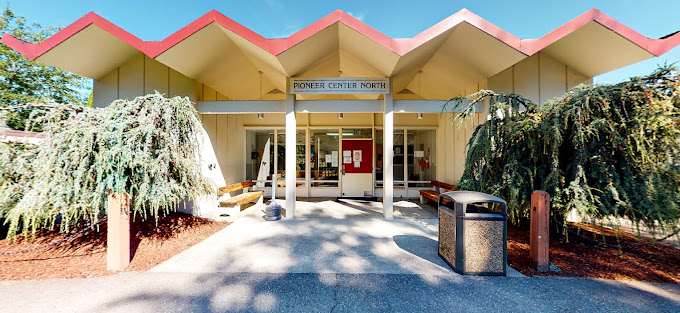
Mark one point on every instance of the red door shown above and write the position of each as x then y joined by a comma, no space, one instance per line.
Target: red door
357,155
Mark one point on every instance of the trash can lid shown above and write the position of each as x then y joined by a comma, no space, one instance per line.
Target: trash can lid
466,197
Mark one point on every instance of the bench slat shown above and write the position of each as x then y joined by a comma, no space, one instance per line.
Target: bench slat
242,199
235,187
443,185
433,195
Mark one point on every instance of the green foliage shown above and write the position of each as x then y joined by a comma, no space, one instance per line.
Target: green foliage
23,81
603,151
147,148
16,171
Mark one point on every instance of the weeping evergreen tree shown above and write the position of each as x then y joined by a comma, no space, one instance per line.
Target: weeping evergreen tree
604,151
147,148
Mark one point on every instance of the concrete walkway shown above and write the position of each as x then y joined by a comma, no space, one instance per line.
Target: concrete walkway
327,237
219,292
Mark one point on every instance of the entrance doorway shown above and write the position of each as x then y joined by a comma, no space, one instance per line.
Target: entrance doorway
357,167
324,171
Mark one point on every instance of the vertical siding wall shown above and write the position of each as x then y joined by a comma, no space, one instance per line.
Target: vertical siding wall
539,78
227,136
452,139
139,76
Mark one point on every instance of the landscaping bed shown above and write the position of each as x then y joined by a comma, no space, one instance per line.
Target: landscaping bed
599,252
83,254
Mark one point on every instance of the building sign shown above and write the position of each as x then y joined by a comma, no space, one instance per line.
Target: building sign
339,85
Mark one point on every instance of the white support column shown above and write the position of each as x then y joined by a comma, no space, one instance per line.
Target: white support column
388,156
291,148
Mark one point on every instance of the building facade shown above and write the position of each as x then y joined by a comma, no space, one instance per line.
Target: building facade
386,139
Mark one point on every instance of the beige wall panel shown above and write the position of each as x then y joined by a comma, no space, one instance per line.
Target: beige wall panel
331,119
302,119
411,120
219,96
448,142
198,90
553,78
483,84
526,78
378,119
132,78
452,139
574,78
156,77
441,149
222,144
269,119
501,82
181,85
458,146
235,151
225,136
105,89
210,124
209,94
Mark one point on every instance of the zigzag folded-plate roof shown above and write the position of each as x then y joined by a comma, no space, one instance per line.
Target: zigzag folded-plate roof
93,45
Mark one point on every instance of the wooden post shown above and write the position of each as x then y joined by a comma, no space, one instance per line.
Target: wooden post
540,231
118,232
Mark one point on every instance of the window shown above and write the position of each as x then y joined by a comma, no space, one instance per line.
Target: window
397,161
300,139
421,157
324,147
357,133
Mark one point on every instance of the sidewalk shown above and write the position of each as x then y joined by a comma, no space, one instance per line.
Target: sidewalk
243,292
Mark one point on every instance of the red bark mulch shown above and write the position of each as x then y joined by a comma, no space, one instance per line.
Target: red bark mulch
599,252
83,254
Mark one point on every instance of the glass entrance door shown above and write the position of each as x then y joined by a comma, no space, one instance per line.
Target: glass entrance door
326,161
324,155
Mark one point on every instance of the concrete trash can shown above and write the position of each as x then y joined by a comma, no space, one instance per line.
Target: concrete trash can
473,232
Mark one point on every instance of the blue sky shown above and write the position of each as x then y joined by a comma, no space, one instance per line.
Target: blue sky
153,20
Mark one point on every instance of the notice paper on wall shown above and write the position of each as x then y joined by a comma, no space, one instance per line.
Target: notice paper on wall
357,164
346,160
419,154
334,158
329,158
356,155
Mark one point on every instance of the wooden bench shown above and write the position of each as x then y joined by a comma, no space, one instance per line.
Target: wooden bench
433,194
236,203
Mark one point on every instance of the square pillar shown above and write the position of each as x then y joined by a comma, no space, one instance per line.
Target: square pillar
291,147
388,156
117,232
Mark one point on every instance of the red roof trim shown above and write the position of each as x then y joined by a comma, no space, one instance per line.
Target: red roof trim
276,46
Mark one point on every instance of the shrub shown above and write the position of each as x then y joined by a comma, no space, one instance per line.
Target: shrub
602,150
147,148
